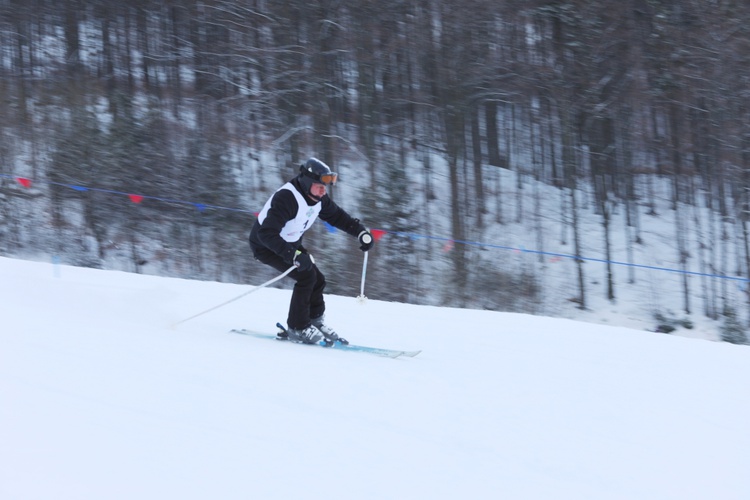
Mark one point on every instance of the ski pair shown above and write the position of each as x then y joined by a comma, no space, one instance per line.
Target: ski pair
377,351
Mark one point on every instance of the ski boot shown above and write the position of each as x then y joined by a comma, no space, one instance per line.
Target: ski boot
307,335
331,337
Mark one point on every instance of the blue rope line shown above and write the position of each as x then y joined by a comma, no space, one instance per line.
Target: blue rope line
567,256
201,207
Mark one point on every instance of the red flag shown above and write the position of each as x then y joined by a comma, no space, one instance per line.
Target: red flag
135,198
377,234
24,181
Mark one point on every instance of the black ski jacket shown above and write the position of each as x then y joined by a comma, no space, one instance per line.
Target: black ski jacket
283,209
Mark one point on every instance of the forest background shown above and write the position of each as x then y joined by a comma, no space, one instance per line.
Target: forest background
529,156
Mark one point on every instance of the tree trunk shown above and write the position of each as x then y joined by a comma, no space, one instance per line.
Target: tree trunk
493,144
476,146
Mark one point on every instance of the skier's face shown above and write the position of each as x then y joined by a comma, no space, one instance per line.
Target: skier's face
318,190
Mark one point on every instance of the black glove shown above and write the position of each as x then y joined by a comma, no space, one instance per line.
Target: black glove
366,240
303,261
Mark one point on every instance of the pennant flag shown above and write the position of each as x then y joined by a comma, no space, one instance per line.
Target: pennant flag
135,198
377,234
200,206
24,181
555,259
448,246
80,188
329,227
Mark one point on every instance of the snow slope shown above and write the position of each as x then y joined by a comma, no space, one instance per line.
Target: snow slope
100,399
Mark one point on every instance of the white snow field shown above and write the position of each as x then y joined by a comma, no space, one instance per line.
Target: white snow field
101,399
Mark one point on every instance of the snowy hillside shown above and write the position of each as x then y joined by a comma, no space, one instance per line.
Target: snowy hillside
100,399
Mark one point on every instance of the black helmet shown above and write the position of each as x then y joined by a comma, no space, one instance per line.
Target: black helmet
314,170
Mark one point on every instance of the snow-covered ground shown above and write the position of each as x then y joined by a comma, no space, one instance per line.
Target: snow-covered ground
101,399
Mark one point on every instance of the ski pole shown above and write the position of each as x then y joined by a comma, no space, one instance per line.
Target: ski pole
274,280
362,297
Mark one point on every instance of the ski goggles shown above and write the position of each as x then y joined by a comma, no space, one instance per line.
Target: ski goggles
329,179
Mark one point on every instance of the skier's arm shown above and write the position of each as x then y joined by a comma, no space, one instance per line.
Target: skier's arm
337,217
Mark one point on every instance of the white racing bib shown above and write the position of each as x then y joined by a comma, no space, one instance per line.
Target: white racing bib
306,215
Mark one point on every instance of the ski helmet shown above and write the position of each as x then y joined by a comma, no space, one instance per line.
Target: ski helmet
315,171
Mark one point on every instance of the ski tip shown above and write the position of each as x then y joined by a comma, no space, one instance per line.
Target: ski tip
410,354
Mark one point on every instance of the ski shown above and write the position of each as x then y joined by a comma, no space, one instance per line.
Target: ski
377,351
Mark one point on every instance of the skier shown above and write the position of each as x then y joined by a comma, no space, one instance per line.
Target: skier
276,240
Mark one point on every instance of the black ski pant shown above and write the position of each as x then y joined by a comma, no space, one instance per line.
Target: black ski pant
307,295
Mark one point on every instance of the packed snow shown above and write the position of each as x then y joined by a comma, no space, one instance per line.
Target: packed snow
101,399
